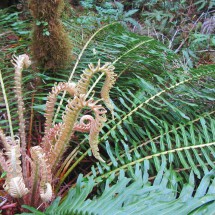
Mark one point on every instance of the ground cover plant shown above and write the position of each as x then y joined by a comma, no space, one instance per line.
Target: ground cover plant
156,143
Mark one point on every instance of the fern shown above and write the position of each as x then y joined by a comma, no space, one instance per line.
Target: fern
35,176
129,53
160,108
139,196
163,125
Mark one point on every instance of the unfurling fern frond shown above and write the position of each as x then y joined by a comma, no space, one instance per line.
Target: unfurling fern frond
73,110
14,183
46,193
83,84
39,157
44,158
13,161
84,126
69,123
40,160
21,62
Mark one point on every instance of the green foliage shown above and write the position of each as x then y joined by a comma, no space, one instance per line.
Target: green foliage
11,21
163,127
164,115
158,123
177,23
139,196
161,114
107,12
45,27
201,4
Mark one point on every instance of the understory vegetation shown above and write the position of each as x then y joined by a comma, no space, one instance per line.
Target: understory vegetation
107,107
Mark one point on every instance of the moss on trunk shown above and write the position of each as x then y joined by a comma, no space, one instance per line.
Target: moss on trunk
51,47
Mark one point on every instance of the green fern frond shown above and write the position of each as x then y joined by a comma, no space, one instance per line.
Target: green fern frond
185,147
138,196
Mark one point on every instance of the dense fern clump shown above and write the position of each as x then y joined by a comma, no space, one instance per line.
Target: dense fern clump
32,179
51,47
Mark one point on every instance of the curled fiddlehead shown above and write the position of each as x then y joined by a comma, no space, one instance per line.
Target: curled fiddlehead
46,193
85,124
16,187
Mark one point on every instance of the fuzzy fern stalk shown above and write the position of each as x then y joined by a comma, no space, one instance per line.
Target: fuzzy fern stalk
36,186
51,47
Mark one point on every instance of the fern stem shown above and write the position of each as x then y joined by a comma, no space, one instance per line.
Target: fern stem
130,50
66,163
31,122
94,84
7,106
70,170
76,64
35,183
69,159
